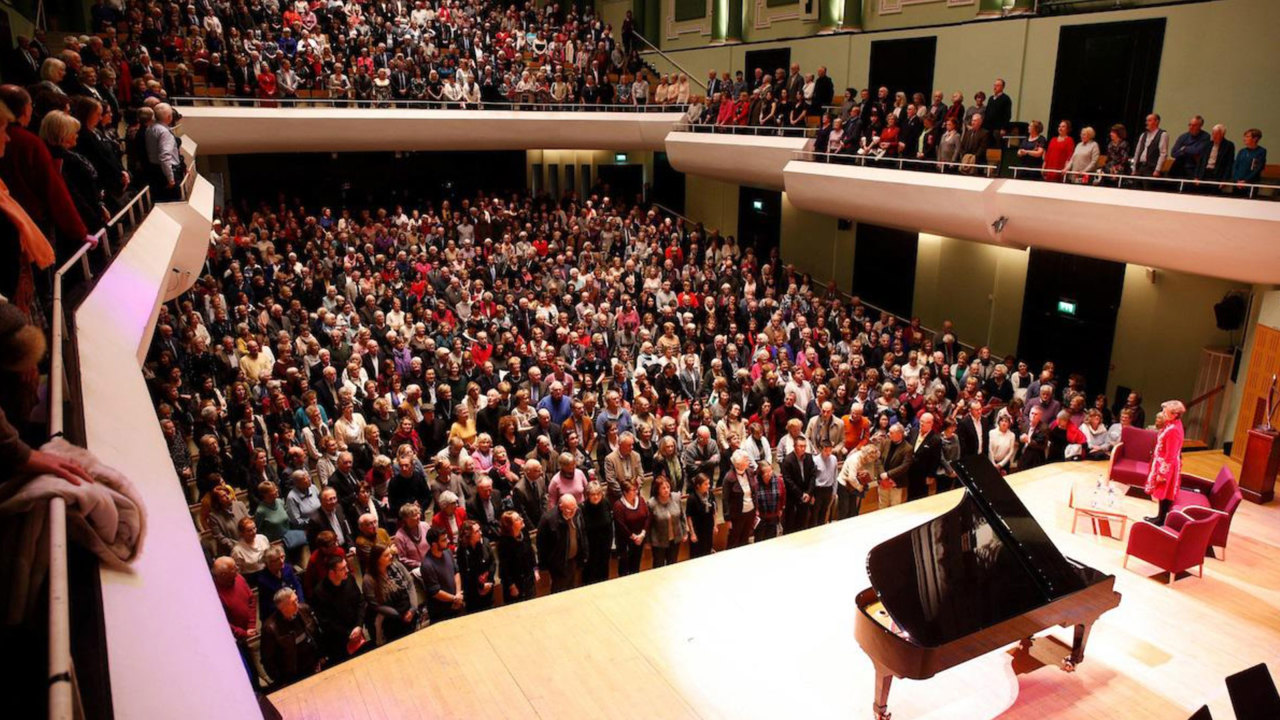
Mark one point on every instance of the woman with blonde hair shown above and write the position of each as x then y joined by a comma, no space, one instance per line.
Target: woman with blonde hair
60,131
1165,478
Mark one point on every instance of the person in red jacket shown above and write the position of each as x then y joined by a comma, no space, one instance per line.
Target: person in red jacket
1165,477
28,171
742,109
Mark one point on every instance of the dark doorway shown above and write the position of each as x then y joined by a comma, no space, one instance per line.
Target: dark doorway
767,60
622,181
884,267
668,184
903,66
361,180
759,220
1126,54
1060,322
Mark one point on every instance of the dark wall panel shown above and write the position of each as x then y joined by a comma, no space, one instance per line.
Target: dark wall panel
1078,341
884,267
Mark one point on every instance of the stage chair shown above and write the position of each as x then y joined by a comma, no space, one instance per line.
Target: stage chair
1178,546
1131,457
1221,494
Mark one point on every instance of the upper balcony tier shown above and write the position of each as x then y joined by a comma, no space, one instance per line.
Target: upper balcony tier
224,129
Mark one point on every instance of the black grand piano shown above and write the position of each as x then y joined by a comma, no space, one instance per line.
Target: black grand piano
978,577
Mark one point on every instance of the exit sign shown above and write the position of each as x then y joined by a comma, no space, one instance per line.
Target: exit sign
1067,307
620,157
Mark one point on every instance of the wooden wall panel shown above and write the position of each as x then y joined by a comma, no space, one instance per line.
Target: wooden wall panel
1264,362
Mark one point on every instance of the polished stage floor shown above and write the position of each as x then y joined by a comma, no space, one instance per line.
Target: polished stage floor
766,631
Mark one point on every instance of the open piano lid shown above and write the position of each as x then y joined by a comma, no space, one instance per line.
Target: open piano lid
980,563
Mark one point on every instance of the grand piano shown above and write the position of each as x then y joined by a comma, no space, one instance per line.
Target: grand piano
978,577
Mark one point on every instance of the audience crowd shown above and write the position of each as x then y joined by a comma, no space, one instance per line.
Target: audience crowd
460,52
431,411
866,126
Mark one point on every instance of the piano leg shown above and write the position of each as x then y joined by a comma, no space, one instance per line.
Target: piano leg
1077,647
881,705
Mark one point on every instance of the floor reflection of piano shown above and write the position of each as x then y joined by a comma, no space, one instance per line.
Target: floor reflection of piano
978,577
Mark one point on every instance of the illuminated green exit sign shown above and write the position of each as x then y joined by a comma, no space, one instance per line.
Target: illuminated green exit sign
1067,307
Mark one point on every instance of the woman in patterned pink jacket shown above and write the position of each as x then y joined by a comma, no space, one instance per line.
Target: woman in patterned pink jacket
1165,477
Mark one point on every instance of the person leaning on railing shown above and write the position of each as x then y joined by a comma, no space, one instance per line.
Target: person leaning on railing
22,346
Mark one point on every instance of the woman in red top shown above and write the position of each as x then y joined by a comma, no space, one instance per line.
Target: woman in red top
631,521
1059,152
889,142
267,86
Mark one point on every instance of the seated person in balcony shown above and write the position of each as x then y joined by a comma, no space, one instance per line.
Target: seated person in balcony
291,648
1189,149
1251,160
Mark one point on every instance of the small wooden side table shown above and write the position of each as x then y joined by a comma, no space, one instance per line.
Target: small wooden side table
1103,514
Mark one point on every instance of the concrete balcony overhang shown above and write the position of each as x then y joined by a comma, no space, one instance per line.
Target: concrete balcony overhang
1231,238
756,160
238,130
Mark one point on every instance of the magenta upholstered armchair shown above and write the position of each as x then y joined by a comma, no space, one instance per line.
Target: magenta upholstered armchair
1178,546
1222,494
1131,457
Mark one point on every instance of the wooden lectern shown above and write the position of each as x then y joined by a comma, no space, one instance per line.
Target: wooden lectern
1261,465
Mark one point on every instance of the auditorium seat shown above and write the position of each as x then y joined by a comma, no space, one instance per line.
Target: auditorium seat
1178,546
1221,494
1131,457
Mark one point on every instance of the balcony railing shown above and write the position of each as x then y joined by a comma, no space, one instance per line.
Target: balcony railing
62,699
1190,186
530,105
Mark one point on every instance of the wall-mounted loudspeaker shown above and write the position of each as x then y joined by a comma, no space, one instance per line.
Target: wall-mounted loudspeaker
1230,311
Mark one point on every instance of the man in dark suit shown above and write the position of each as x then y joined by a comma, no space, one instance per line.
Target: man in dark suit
897,463
529,496
973,430
343,479
1215,163
332,518
926,457
327,389
486,508
999,112
242,78
824,91
799,473
562,545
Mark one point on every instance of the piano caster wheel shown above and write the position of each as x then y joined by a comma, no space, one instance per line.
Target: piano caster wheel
883,715
1068,665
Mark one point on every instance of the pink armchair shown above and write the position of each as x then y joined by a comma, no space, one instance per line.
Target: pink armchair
1131,457
1178,546
1222,494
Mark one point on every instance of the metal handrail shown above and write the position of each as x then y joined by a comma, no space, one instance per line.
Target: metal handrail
988,170
681,68
1139,181
755,130
353,104
61,700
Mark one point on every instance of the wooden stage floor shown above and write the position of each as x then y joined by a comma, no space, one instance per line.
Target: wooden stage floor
766,631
